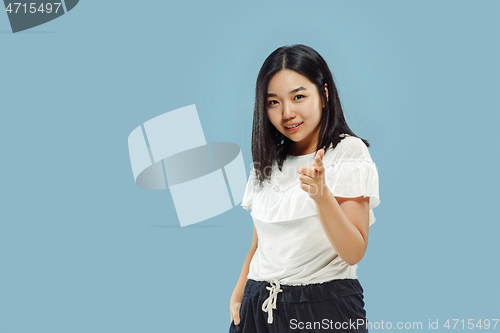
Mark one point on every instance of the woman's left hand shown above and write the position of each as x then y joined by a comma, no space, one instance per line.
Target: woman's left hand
313,178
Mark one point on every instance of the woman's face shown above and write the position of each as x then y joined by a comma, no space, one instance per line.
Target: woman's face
293,99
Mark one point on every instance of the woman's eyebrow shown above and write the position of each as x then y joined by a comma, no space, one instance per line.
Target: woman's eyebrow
291,92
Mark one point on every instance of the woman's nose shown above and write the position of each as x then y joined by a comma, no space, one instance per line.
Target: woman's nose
288,111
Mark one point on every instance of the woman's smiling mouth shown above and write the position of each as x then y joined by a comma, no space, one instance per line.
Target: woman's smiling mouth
293,129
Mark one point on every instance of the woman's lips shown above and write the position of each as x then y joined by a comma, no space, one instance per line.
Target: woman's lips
293,129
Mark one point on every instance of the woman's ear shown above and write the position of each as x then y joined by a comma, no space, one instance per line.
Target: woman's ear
326,92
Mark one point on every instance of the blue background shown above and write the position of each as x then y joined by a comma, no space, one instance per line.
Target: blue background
84,249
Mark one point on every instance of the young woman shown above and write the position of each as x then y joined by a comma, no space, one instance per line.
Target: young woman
311,193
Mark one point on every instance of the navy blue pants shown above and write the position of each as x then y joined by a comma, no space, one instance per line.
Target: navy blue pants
333,306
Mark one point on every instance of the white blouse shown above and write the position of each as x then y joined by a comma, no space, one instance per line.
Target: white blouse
293,247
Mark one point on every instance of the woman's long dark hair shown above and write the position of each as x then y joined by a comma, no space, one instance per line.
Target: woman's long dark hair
268,144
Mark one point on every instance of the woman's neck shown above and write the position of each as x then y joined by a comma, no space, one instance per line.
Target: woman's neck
297,151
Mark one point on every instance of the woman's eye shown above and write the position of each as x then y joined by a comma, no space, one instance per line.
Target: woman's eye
271,102
300,95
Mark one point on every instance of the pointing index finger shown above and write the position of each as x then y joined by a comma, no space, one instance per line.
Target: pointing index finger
318,160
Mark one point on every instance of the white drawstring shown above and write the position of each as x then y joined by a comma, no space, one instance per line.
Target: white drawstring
270,303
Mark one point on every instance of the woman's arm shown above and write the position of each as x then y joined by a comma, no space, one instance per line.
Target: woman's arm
237,295
345,222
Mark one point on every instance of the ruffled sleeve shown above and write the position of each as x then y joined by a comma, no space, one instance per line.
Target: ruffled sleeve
352,173
247,200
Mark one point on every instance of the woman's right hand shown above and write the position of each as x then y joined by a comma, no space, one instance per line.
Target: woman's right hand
234,308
